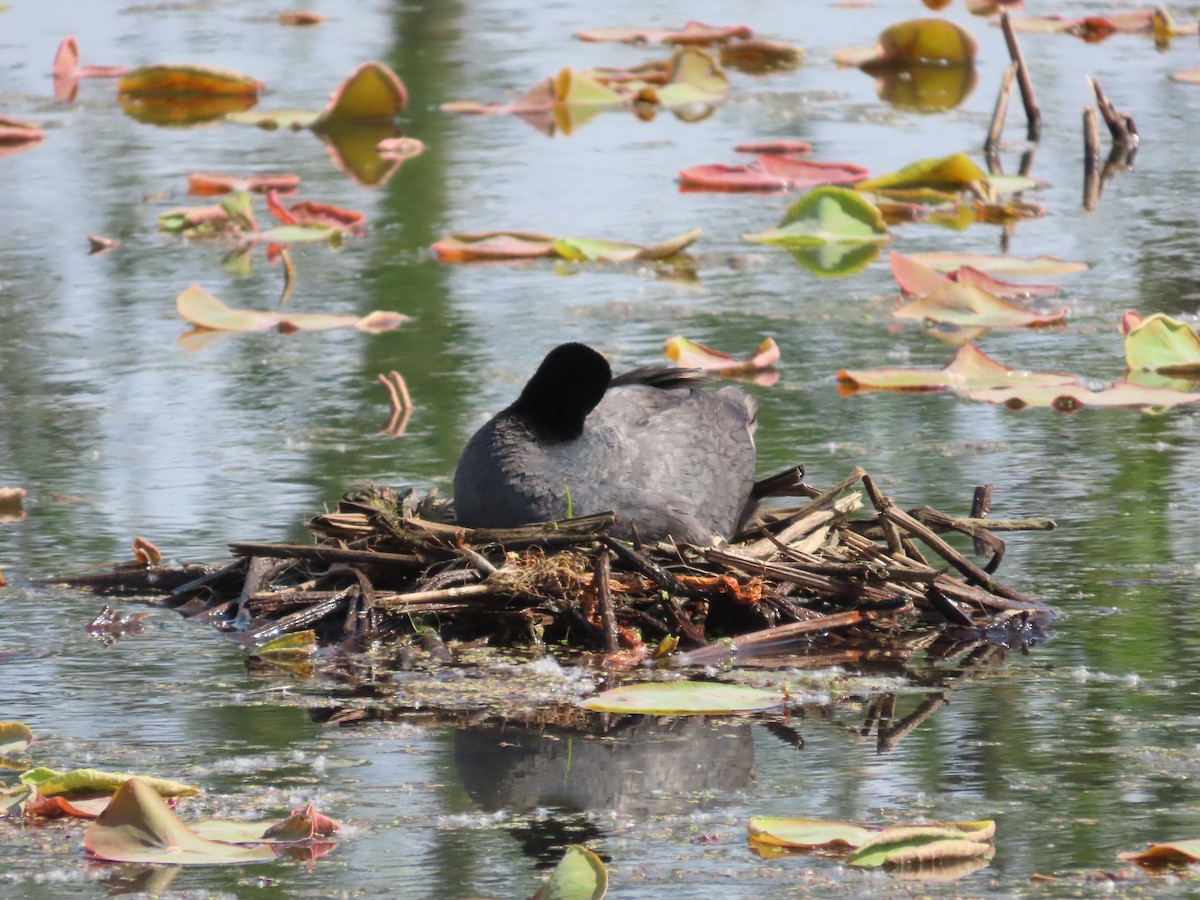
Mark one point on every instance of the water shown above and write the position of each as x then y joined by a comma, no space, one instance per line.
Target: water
1085,747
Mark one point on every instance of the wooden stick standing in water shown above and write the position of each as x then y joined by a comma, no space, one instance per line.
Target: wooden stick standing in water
1033,115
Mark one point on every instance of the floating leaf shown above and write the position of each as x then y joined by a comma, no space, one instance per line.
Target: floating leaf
300,19
15,737
967,305
950,173
756,56
914,277
787,146
695,33
493,245
188,79
295,644
1070,398
690,355
1160,344
138,826
579,875
1172,853
49,782
693,77
683,698
1006,289
1187,76
204,310
301,825
1006,265
17,134
372,91
921,41
772,172
808,834
203,184
827,214
969,369
577,249
913,844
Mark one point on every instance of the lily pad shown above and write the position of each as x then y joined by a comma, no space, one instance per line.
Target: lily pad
691,355
137,826
1171,853
915,844
827,215
15,737
950,173
681,698
1002,265
579,875
1160,344
204,310
188,79
808,834
203,184
967,305
1070,398
923,41
969,369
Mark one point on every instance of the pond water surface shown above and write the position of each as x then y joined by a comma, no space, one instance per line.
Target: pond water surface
1082,747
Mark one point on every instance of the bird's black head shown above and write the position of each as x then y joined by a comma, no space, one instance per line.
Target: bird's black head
566,387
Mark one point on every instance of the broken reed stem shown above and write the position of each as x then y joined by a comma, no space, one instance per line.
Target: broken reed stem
1115,121
991,147
757,640
327,554
458,592
890,533
948,553
1091,159
1033,115
799,523
608,616
981,505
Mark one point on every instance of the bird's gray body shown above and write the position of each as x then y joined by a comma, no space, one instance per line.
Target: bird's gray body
671,461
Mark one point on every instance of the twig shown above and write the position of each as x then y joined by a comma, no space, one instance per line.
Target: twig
758,640
1115,121
1091,159
1033,115
328,554
608,616
890,532
991,147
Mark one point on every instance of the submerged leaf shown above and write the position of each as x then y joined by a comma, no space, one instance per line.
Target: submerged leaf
138,826
825,215
683,698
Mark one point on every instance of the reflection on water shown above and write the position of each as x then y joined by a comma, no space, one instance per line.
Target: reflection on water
1082,748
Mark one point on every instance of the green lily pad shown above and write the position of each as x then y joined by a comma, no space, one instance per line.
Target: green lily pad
950,173
827,215
1160,344
49,782
665,698
808,834
579,875
913,844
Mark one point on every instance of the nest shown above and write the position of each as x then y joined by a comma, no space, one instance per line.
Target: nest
831,579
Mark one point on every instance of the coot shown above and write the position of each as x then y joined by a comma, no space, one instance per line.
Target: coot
672,460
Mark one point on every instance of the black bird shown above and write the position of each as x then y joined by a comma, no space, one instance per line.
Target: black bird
672,460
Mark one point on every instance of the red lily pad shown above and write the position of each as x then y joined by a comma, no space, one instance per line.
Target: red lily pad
1007,289
787,146
1168,854
493,246
17,134
188,79
309,212
205,184
969,369
967,305
914,277
138,826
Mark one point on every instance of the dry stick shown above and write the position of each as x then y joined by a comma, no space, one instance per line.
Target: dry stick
991,147
608,615
328,554
757,640
890,532
798,524
1032,114
297,621
981,505
458,592
948,553
948,607
1115,122
924,710
1091,159
982,535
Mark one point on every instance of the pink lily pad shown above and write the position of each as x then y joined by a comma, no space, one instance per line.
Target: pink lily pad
969,369
204,310
204,184
138,826
688,354
966,305
780,145
691,33
1007,265
1070,398
771,172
